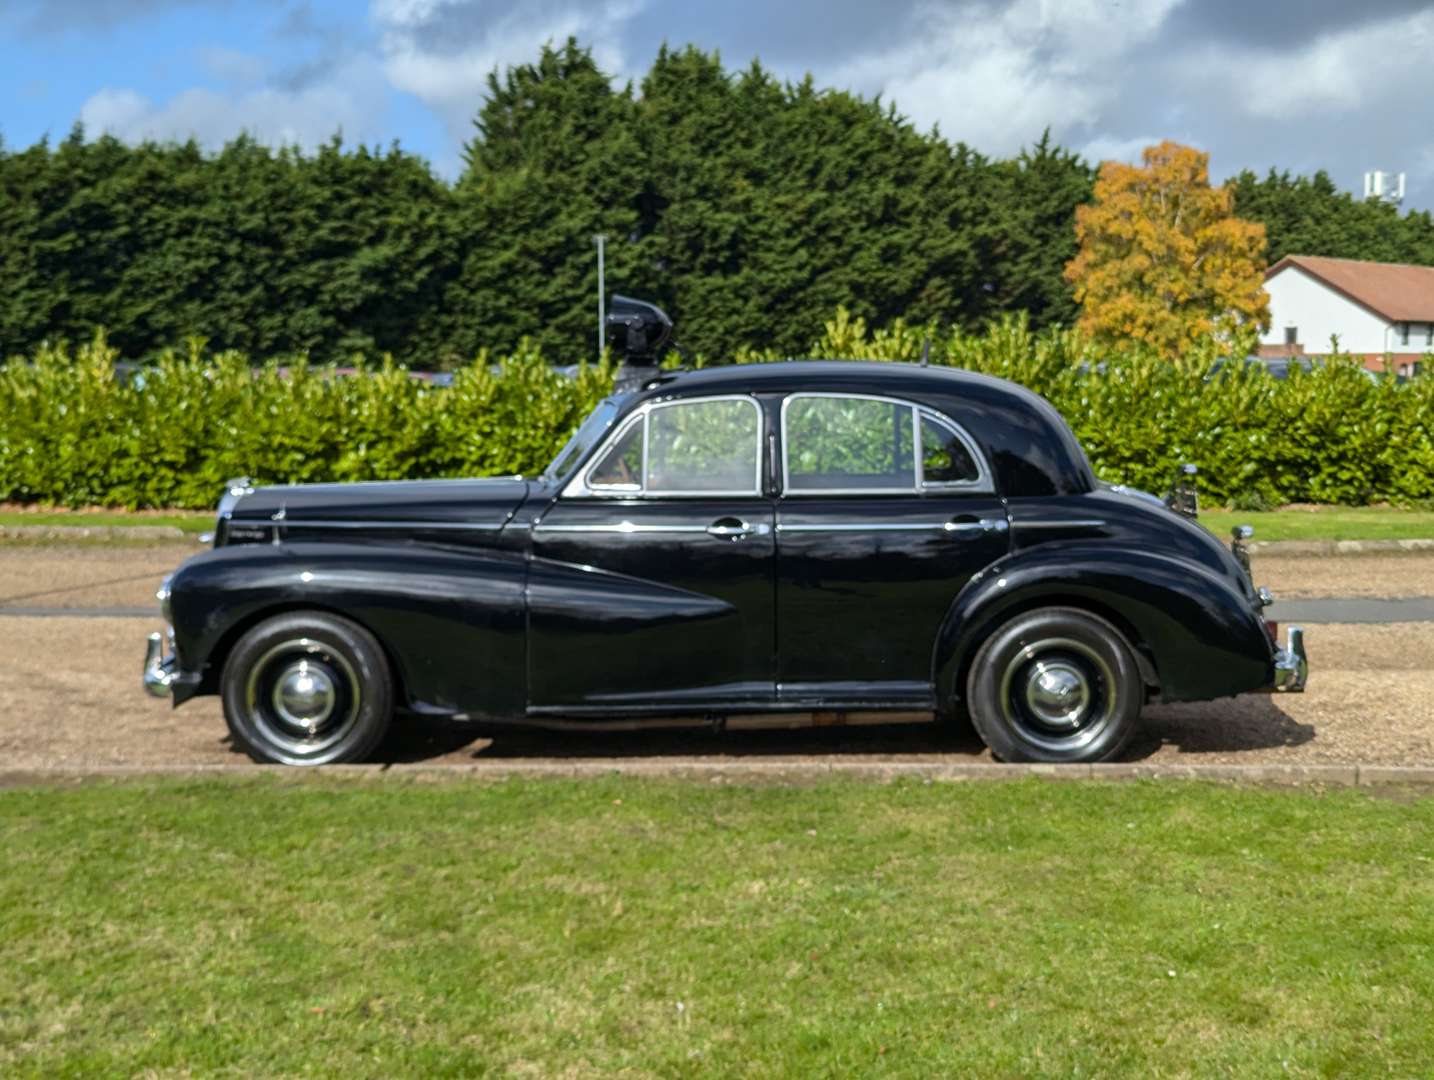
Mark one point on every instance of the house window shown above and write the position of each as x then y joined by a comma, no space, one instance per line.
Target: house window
1404,333
1429,333
1292,335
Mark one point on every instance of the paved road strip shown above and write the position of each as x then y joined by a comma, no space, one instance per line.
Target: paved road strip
728,771
81,613
1348,609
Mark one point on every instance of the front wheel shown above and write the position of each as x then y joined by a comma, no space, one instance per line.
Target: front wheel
307,688
1055,685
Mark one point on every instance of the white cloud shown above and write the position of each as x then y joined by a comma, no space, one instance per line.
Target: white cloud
1114,148
995,77
1339,72
351,100
232,66
451,75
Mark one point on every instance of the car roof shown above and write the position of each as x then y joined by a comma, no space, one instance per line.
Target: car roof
877,376
1031,447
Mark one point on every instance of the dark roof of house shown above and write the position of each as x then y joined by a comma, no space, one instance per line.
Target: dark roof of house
1396,291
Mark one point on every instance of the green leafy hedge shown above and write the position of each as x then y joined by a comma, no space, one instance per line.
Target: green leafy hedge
72,434
1332,435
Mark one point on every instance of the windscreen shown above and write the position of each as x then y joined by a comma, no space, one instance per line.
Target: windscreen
576,448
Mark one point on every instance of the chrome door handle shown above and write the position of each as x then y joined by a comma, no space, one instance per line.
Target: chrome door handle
729,529
983,526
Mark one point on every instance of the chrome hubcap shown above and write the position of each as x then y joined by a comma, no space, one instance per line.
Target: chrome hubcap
304,695
1057,693
303,699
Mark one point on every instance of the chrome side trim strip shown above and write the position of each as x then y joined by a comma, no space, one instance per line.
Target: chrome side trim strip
323,523
621,527
985,525
1069,523
915,526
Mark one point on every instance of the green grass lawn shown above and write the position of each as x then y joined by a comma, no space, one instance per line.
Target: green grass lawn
649,928
1326,523
191,523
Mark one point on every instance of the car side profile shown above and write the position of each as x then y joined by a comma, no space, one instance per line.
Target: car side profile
761,545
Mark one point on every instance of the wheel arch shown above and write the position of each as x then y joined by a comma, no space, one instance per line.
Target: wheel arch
213,670
450,621
1193,635
1117,623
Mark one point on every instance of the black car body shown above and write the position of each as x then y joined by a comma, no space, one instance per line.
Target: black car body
765,544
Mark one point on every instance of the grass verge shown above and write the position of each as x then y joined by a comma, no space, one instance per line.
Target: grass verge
650,928
190,523
1326,523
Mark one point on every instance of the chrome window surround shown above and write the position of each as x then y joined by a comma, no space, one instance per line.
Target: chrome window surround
982,484
580,487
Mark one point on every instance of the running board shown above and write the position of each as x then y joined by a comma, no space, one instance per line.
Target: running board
767,721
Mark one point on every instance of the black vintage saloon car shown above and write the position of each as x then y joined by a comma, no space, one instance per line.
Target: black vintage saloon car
764,545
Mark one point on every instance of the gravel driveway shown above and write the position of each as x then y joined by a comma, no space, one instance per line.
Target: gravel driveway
72,694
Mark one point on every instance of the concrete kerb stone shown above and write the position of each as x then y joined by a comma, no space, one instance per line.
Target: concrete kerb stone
1338,547
795,771
1375,775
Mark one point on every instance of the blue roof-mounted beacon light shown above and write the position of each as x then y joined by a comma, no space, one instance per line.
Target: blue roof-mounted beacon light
638,332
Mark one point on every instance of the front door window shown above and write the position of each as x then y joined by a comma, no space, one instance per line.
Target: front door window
708,447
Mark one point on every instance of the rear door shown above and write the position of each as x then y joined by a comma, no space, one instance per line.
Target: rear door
886,511
651,585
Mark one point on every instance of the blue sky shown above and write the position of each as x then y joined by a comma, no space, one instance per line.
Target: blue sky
1299,85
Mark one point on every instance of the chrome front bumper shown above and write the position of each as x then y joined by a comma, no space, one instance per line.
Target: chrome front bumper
1292,666
160,668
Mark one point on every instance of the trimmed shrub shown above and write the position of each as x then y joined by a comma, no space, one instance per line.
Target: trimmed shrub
73,434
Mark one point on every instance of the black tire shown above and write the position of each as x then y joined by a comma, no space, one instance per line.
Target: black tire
307,688
1055,685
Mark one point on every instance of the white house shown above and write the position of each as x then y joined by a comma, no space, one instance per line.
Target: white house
1381,312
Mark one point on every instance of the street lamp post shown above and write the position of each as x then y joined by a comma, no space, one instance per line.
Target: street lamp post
600,239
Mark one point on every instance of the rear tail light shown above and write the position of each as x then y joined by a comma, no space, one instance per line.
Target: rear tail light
1272,628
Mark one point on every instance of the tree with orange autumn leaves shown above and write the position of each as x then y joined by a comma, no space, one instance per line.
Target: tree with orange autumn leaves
1163,259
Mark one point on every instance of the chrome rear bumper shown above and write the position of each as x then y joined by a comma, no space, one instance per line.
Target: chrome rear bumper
159,667
1292,666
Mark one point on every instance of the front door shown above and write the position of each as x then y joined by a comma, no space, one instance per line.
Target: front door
887,510
651,584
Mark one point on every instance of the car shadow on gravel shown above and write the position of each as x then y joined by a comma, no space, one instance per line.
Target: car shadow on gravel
415,739
1245,724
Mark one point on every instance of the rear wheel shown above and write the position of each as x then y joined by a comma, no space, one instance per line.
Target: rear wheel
307,688
1055,685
